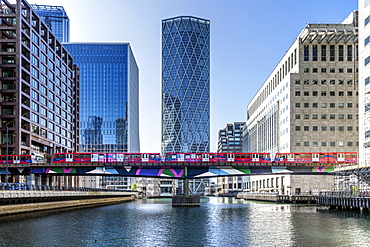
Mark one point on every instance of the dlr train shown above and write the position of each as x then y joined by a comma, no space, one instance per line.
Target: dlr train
183,158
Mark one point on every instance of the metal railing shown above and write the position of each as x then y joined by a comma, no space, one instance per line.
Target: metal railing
14,186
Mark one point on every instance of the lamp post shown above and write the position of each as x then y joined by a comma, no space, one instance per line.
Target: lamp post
6,157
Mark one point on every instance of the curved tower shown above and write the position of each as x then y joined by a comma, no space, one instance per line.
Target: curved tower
185,84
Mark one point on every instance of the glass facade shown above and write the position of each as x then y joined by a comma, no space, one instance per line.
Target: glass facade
109,97
185,84
56,20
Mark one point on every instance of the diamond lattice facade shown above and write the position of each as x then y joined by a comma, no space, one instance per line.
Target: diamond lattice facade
185,84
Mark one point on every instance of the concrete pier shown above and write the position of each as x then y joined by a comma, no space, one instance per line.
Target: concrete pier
342,202
185,201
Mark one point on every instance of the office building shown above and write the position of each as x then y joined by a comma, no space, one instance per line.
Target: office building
109,96
55,18
309,102
39,86
230,141
364,82
186,89
109,101
185,85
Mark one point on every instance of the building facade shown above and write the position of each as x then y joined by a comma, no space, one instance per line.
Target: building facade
230,141
39,86
309,103
55,18
185,91
185,85
109,96
364,82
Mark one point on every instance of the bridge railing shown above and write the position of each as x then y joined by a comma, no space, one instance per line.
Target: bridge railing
345,193
15,186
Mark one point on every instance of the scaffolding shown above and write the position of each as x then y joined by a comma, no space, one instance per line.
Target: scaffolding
352,180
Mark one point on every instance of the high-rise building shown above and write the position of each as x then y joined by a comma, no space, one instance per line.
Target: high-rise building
309,103
230,141
39,86
185,84
185,90
109,96
364,82
56,20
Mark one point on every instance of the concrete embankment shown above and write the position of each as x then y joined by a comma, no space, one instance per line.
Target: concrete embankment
59,205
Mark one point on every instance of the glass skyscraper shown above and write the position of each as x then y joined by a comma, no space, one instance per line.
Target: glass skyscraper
109,96
185,84
56,20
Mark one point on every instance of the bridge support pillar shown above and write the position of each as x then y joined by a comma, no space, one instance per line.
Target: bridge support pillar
185,200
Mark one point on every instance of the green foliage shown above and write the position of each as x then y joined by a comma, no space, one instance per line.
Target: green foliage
134,187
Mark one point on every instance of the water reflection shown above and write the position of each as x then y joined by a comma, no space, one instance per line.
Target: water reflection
217,222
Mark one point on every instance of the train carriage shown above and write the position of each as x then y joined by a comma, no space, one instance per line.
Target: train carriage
134,158
247,157
317,157
16,159
79,158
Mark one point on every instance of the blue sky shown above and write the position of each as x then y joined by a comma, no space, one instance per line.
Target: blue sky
248,38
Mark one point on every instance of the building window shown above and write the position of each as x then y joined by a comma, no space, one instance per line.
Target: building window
332,52
332,82
323,82
341,53
323,70
306,144
332,105
315,116
298,128
306,116
297,81
349,93
350,144
349,53
341,128
323,53
297,105
297,144
349,116
332,144
323,116
340,93
306,93
297,116
341,144
332,70
314,53
323,105
306,82
349,128
315,128
340,105
306,53
306,105
332,93
323,144
306,70
323,128
367,60
314,105
332,116
297,93
315,144
315,93
306,128
332,128
340,116
314,70
314,82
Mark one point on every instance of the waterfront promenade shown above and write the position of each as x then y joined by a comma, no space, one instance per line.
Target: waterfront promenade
42,198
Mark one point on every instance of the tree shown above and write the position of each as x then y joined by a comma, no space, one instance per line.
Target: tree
134,187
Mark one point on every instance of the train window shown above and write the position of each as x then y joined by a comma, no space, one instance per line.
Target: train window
199,156
187,156
24,157
76,156
308,155
237,156
322,156
193,156
173,156
262,156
